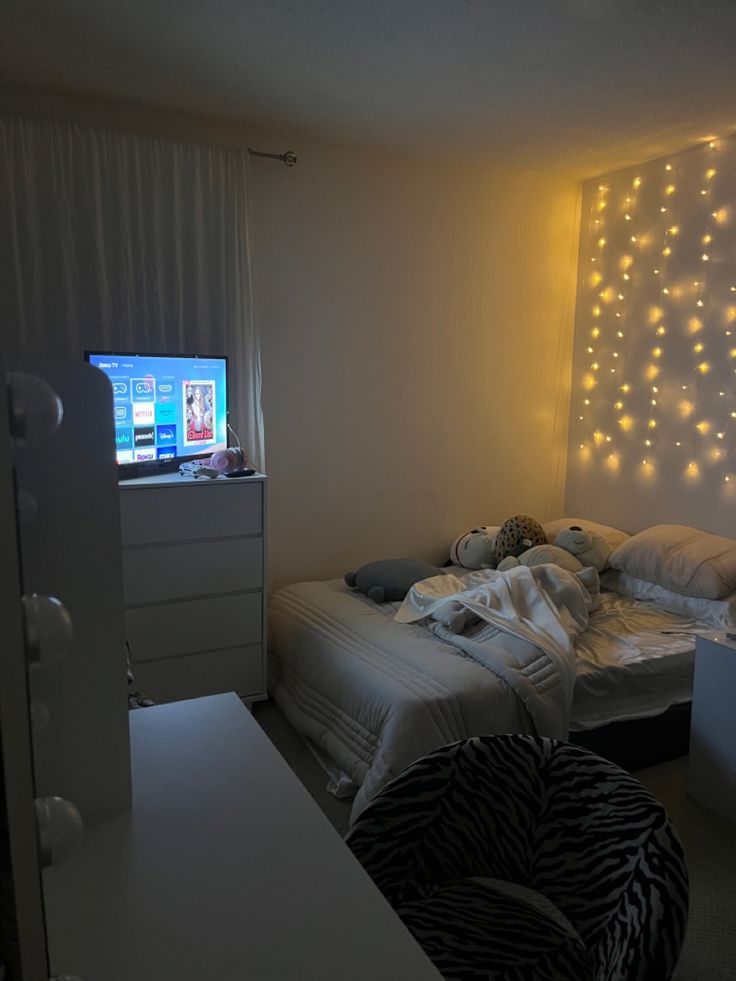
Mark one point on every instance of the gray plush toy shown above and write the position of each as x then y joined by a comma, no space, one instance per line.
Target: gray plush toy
390,579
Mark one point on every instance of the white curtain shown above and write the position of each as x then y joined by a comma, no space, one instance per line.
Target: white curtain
119,242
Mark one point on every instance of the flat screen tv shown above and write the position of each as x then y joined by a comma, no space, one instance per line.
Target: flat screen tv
167,408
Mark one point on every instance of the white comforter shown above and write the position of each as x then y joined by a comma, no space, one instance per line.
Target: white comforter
375,695
525,624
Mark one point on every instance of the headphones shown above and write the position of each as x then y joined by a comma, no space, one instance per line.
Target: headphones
227,461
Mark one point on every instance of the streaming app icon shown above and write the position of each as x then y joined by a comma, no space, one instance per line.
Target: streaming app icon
124,439
143,436
165,390
125,456
122,414
120,389
143,413
166,453
142,389
143,455
165,412
166,435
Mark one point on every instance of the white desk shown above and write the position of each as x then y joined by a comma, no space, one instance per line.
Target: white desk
226,869
712,763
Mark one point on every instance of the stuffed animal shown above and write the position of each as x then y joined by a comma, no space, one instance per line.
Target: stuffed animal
540,554
475,549
390,579
588,547
516,535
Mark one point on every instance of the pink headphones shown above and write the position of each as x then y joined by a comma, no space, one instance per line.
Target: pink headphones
226,461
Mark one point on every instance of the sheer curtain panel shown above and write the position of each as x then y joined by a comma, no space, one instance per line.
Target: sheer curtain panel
121,242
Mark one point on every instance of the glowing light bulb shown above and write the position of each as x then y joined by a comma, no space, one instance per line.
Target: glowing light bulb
618,406
674,230
706,239
711,173
596,311
657,352
704,368
666,291
601,242
626,276
703,427
636,182
663,209
703,190
666,250
619,333
590,350
700,303
652,424
661,331
627,216
620,296
705,257
668,167
634,238
626,388
697,348
720,435
647,442
595,332
595,366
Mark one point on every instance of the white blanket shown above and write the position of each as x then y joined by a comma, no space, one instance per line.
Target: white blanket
529,621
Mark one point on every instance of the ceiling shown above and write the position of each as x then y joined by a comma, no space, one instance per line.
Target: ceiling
579,86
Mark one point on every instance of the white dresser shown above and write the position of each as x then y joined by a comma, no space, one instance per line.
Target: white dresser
194,556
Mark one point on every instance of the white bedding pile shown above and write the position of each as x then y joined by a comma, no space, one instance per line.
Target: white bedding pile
527,622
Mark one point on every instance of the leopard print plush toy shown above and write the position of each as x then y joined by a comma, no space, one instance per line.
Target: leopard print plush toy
517,534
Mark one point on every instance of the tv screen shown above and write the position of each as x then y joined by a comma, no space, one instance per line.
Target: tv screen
167,407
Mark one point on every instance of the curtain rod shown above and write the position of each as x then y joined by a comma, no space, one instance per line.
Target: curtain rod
288,157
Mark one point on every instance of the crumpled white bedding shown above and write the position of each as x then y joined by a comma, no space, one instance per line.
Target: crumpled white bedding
374,695
527,622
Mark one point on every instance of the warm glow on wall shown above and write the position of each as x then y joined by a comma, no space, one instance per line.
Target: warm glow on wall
665,321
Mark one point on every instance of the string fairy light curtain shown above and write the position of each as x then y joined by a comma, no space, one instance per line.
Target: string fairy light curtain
128,243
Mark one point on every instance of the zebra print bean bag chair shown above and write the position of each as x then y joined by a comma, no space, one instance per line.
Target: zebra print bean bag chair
513,858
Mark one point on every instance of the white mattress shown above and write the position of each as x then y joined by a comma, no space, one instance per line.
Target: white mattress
375,695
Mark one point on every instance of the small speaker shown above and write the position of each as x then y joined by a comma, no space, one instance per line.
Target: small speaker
226,461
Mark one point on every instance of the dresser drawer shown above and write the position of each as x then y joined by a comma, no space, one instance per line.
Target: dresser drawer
203,509
169,629
239,670
197,569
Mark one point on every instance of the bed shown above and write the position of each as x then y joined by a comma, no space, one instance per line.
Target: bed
371,695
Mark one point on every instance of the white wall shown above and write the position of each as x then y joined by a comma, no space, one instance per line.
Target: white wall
416,330
655,442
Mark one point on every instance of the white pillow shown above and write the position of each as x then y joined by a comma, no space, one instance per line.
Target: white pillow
720,613
683,560
614,536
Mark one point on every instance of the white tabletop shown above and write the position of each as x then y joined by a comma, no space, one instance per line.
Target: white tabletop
226,869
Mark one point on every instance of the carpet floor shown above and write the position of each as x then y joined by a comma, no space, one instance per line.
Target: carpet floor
709,840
